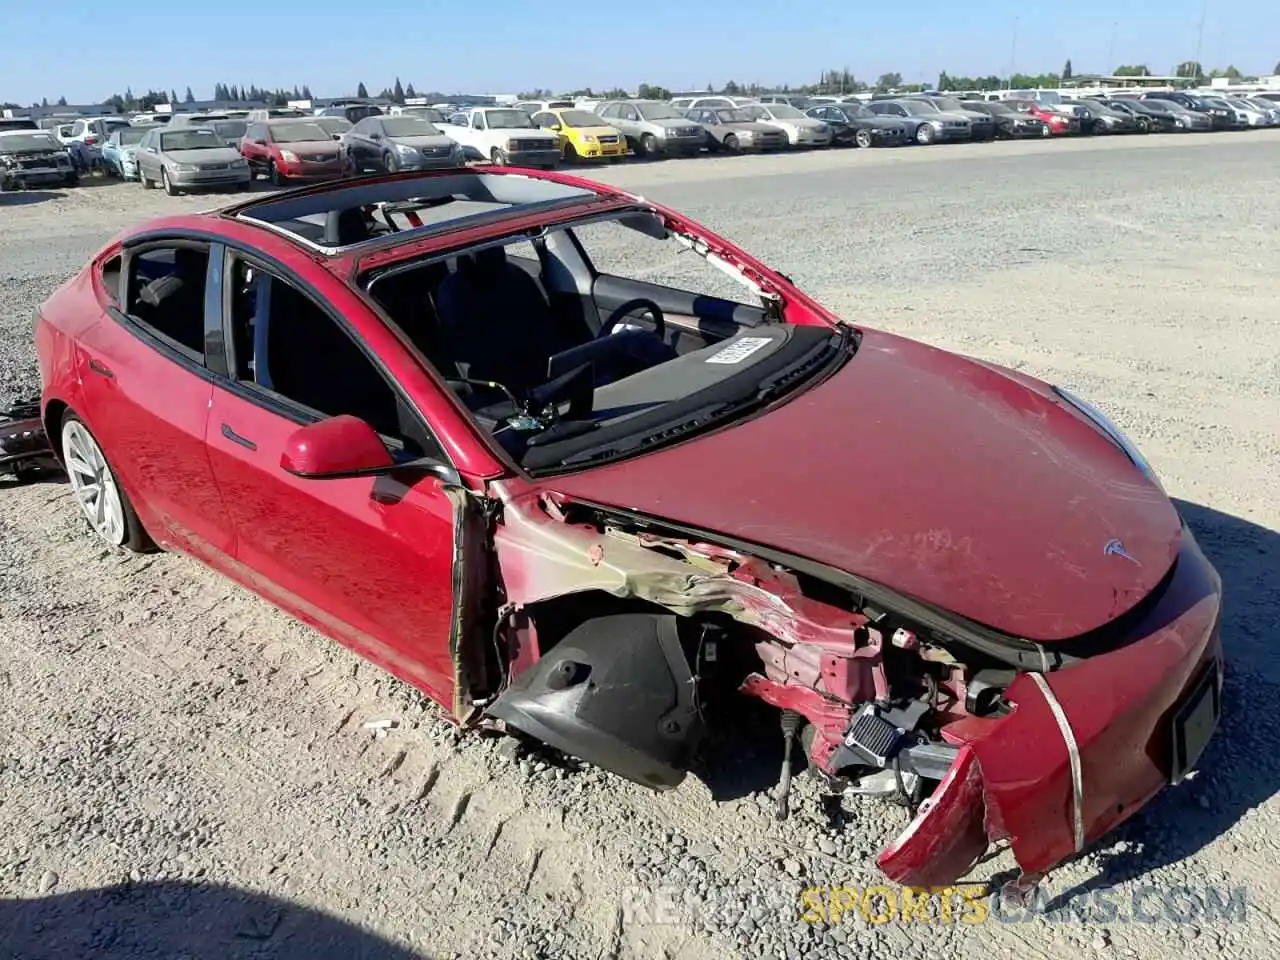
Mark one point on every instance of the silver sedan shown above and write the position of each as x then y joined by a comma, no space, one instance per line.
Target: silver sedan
192,158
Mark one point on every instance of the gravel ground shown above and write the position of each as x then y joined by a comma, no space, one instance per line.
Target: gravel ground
186,772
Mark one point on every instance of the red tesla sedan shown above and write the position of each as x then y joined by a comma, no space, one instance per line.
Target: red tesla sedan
443,419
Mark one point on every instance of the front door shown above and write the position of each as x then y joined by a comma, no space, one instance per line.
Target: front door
370,561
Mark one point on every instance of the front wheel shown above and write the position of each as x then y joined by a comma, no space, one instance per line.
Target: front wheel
649,145
925,134
731,143
390,163
570,153
498,157
169,188
274,175
93,484
862,138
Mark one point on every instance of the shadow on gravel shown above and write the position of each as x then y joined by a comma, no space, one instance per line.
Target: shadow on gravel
1240,769
25,198
179,919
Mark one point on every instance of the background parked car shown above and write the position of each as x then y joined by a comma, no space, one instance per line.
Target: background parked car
1196,121
801,131
712,102
926,122
354,112
732,130
426,113
654,128
1009,123
31,158
275,113
285,150
390,144
189,158
1060,124
1101,118
119,153
799,101
583,135
231,131
853,123
1218,107
981,126
504,136
538,106
334,126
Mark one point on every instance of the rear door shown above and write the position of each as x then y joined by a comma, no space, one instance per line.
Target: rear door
370,561
146,394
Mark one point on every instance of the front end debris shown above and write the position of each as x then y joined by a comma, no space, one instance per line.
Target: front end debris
24,447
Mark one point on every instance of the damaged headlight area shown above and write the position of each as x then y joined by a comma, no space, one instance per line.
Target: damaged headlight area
625,640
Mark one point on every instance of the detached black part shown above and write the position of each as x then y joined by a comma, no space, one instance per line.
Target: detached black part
24,446
616,691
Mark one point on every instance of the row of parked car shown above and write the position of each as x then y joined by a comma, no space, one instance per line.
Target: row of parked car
229,150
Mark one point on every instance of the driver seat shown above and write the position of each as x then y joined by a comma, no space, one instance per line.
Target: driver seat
495,323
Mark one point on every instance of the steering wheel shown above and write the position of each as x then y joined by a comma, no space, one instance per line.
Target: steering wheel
630,307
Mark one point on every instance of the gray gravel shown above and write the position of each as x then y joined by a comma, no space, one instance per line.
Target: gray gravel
172,747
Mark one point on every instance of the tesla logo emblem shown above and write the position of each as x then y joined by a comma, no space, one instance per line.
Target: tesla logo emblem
1114,548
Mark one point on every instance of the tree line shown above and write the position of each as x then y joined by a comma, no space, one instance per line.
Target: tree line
829,82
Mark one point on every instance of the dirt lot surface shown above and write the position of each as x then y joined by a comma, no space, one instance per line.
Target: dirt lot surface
186,772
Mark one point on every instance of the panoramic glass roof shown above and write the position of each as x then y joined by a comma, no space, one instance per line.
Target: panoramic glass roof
436,203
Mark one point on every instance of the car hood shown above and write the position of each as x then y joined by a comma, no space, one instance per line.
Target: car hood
938,476
311,146
601,131
210,155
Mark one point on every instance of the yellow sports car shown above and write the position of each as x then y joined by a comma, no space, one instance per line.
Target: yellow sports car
583,135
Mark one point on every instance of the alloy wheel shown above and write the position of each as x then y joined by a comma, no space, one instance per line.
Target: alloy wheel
92,483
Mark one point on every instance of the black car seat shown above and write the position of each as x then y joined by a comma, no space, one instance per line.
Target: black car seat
495,323
345,227
312,361
174,304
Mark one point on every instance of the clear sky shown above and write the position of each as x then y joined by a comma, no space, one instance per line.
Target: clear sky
85,51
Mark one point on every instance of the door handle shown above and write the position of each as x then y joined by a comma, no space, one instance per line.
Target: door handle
98,367
236,438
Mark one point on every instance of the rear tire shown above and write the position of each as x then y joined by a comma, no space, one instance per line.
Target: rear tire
102,501
142,179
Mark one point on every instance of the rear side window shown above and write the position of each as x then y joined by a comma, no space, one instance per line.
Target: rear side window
166,295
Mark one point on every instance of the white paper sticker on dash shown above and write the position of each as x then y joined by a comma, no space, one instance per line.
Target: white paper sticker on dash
739,350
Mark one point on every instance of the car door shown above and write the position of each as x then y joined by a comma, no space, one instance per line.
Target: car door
368,560
146,393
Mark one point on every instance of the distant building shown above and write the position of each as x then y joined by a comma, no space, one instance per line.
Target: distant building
208,106
71,111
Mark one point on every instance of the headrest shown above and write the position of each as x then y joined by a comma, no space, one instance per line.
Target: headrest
189,263
159,290
345,227
490,259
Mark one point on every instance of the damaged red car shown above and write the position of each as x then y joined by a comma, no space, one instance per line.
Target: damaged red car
460,424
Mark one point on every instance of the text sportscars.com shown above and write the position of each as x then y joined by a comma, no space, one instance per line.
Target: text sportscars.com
960,904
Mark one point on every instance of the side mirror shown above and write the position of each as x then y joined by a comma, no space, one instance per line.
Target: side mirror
343,446
556,127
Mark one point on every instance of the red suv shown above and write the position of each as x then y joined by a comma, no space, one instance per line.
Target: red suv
291,149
